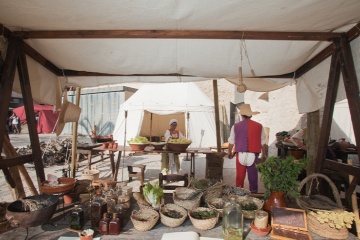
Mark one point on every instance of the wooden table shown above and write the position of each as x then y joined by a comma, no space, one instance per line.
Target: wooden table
115,165
89,150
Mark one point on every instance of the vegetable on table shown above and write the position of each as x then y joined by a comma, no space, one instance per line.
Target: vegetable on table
153,194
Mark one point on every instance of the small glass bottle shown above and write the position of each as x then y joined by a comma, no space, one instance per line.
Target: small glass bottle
110,202
232,222
104,225
114,225
119,211
98,208
77,218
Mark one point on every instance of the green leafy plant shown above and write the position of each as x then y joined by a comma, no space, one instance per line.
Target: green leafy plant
153,193
281,174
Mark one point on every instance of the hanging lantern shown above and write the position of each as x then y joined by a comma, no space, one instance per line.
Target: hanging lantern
241,87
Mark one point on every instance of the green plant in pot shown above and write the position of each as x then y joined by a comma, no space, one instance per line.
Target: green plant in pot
279,177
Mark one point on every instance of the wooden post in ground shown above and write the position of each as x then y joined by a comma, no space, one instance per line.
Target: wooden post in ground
217,117
74,137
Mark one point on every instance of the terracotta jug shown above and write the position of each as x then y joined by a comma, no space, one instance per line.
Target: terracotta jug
276,199
343,144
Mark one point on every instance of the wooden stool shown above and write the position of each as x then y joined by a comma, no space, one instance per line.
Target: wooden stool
137,174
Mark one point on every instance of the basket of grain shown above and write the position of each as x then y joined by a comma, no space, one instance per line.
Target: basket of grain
144,219
203,218
187,198
172,215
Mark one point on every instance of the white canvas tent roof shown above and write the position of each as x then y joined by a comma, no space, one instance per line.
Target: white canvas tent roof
141,52
165,99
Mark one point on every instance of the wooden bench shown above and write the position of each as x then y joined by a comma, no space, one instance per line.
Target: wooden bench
140,174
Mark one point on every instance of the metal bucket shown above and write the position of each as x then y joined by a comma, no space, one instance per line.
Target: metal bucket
16,214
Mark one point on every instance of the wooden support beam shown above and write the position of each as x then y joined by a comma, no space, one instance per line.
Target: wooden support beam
341,167
16,160
30,115
331,92
180,34
217,116
351,87
74,138
313,129
6,85
42,60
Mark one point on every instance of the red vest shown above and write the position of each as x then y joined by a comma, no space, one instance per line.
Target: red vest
248,136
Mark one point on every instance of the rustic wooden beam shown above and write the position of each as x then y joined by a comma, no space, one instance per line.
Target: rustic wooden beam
72,73
341,167
4,31
353,32
42,60
330,98
30,115
321,56
351,86
15,161
217,116
180,34
6,85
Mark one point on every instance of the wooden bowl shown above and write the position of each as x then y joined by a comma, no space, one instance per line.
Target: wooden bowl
178,147
260,231
138,146
65,185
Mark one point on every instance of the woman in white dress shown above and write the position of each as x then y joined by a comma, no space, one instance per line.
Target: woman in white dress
170,162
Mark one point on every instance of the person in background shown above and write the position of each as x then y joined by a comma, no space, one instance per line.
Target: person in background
247,140
15,123
170,161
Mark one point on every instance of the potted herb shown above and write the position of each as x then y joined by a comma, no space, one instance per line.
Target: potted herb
280,176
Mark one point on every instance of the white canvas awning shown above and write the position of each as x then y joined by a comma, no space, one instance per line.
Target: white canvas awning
194,58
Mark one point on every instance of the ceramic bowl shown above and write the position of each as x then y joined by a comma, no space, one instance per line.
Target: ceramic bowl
260,231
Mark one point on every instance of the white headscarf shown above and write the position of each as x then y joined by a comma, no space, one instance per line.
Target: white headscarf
173,121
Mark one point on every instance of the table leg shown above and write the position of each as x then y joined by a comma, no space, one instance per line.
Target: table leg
192,165
77,161
112,162
89,159
117,166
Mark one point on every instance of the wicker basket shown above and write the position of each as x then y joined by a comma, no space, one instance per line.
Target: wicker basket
169,221
324,230
250,214
203,224
144,219
214,202
142,206
180,198
309,202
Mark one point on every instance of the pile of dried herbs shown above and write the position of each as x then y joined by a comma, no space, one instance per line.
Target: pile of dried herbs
173,214
249,206
203,214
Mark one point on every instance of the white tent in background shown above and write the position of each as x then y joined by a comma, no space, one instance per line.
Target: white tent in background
150,109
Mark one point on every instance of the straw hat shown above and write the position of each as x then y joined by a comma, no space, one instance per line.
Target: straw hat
69,113
245,109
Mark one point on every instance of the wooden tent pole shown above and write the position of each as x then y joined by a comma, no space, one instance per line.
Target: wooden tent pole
10,151
74,137
151,119
217,117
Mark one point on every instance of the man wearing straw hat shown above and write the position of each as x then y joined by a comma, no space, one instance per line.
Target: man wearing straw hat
249,139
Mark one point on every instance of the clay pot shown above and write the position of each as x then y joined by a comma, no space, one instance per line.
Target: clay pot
276,199
343,144
70,198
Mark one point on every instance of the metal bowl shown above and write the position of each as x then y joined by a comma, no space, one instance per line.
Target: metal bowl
16,214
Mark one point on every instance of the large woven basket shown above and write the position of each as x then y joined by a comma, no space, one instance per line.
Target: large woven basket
214,203
181,194
203,224
169,221
144,219
324,230
309,202
250,214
